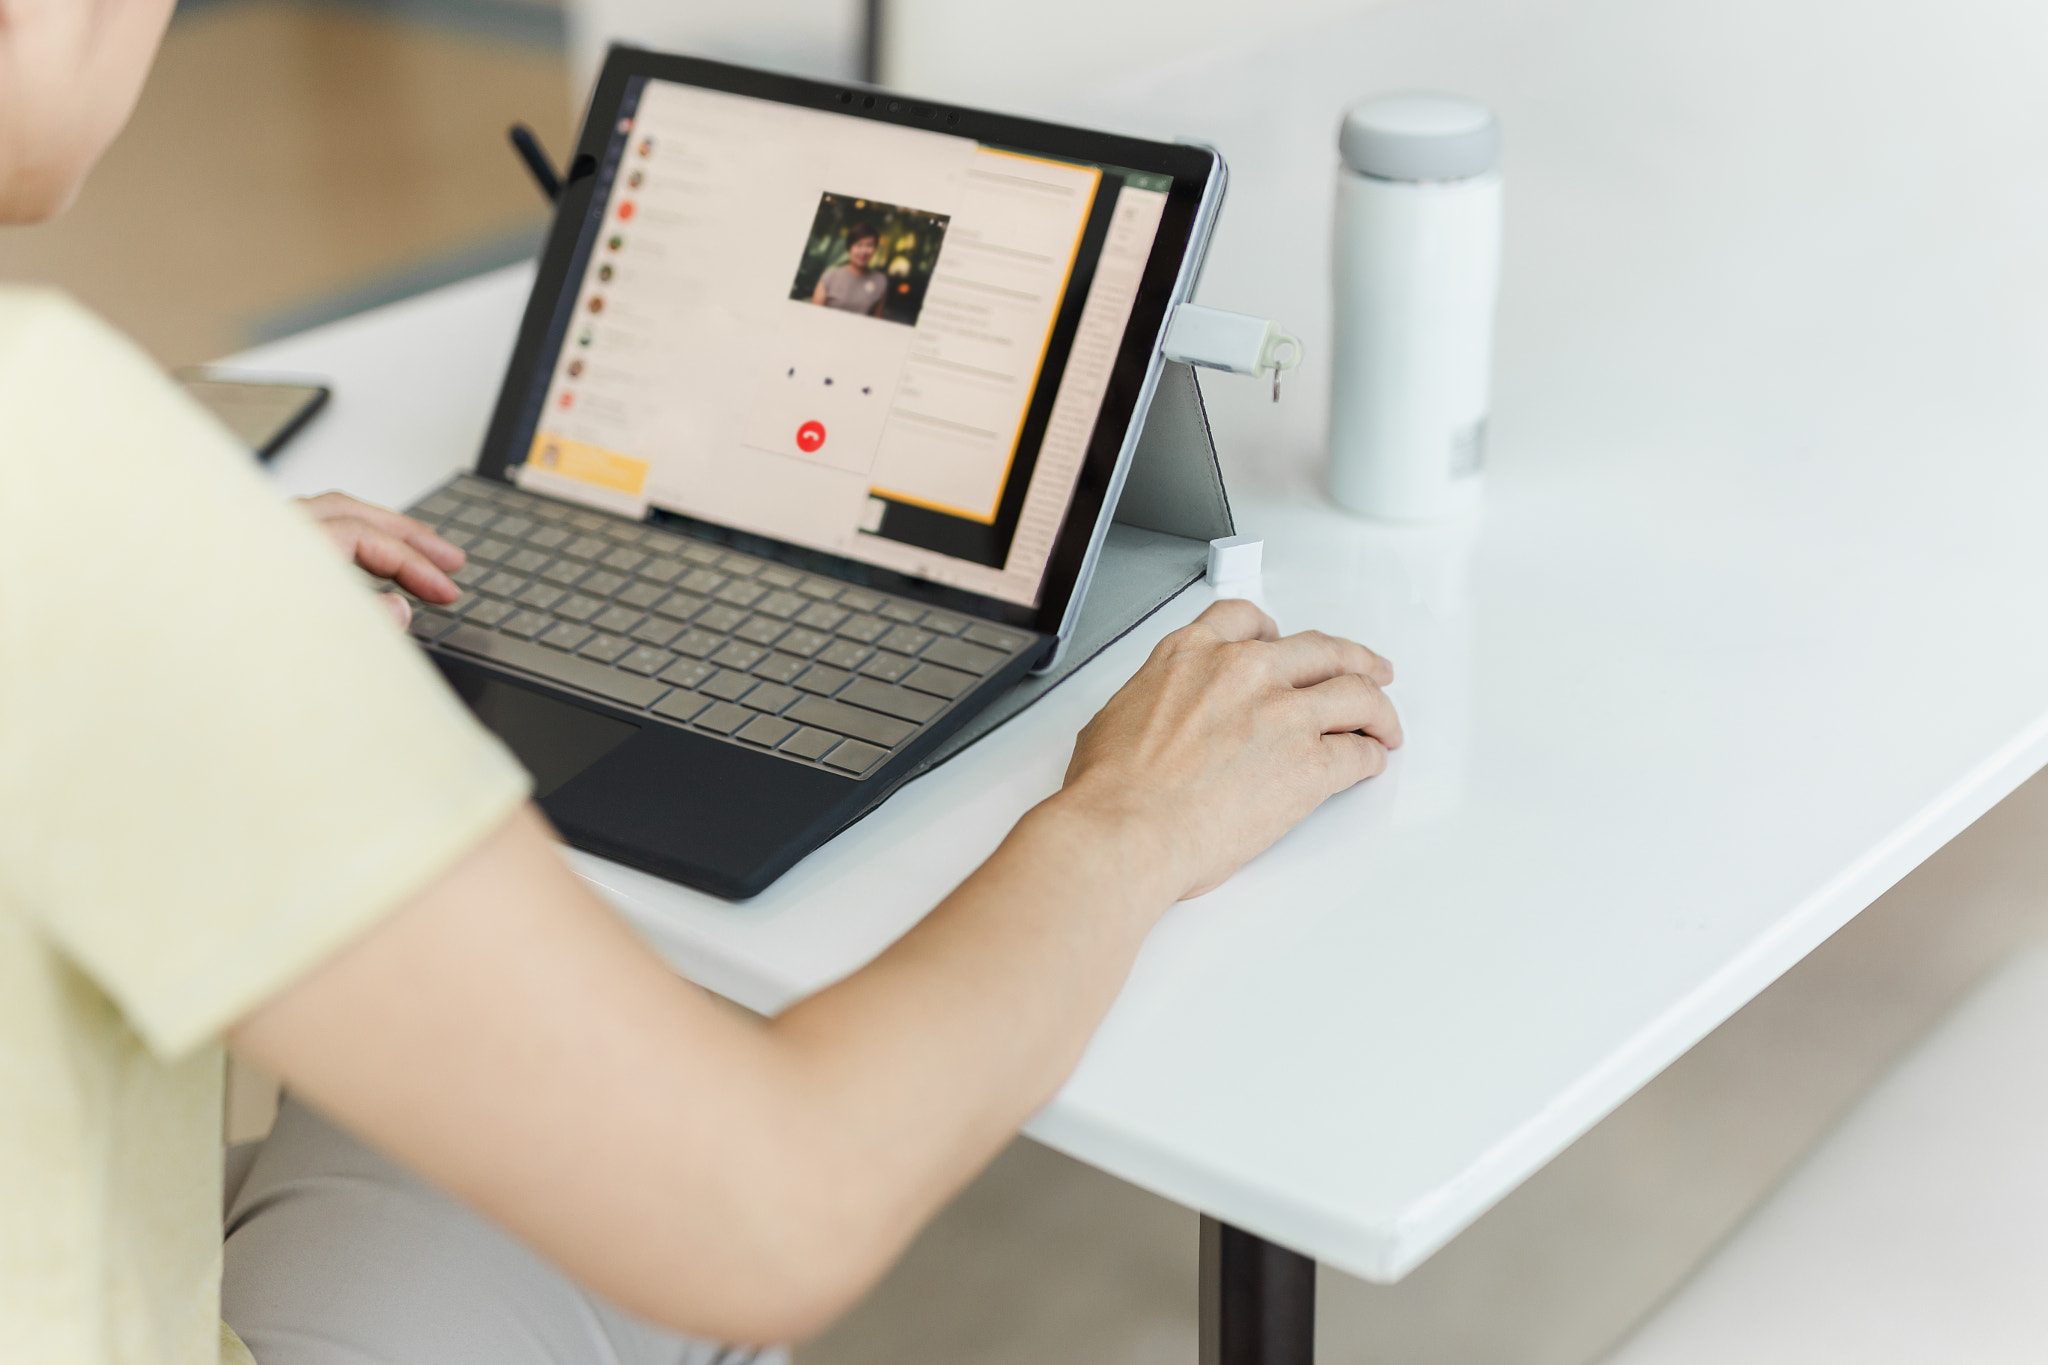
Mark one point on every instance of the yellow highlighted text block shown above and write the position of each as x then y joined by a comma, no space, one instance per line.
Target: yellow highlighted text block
588,464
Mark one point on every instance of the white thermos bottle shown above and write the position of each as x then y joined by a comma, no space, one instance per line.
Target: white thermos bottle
1416,270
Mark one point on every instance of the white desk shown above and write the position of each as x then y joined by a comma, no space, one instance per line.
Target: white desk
1752,624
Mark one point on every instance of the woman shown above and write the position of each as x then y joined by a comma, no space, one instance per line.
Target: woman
236,804
853,287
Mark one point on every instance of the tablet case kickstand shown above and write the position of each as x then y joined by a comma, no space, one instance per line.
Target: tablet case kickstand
1173,505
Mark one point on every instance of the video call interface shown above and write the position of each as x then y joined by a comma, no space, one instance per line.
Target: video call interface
884,343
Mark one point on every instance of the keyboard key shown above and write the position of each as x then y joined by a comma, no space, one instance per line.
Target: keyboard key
766,731
502,584
900,702
739,654
476,516
681,606
589,521
462,537
605,649
1008,641
686,672
577,607
771,697
842,719
775,575
490,548
888,667
902,612
740,593
513,526
640,593
604,583
743,565
940,682
820,617
702,581
619,686
439,505
963,656
655,631
472,574
662,570
809,743
822,680
720,617
617,620
853,757
906,640
549,538
762,630
938,623
624,560
645,659
565,635
824,589
699,553
804,642
427,624
860,599
843,654
586,547
487,611
779,668
680,705
527,624
526,561
565,571
724,717
727,686
541,597
866,629
696,643
780,605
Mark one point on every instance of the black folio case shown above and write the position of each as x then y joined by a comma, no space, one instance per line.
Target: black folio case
714,815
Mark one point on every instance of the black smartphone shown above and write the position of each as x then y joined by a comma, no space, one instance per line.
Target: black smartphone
263,412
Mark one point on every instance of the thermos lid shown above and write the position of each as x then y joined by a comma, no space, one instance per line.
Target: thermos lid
1416,135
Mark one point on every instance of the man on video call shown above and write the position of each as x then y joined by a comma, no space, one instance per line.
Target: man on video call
240,806
853,287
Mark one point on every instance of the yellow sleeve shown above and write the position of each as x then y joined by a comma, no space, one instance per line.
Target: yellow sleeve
219,759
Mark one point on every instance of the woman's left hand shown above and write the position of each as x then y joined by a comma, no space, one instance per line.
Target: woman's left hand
389,545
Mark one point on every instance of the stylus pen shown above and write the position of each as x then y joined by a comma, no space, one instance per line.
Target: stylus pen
529,149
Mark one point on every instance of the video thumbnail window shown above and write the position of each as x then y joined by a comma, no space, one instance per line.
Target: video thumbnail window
867,257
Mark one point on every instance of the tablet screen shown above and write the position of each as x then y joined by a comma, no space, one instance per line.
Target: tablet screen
886,343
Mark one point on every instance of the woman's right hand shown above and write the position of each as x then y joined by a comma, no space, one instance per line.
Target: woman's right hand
1229,735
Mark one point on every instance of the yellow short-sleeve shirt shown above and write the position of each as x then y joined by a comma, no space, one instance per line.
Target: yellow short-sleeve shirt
219,762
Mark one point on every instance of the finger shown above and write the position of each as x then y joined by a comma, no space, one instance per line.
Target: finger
389,557
332,506
1350,758
1311,657
398,606
1348,702
1236,619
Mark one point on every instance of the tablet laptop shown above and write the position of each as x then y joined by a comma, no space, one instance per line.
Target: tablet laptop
807,449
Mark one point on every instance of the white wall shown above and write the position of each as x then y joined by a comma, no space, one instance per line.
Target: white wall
999,54
1023,54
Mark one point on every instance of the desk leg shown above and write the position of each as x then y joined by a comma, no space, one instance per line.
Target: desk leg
1258,1300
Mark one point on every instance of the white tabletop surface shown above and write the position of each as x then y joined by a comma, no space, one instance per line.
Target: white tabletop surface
1751,624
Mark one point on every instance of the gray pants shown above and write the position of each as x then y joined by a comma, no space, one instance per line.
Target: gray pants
337,1256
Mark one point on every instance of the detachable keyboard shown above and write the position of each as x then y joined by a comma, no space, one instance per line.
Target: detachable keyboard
694,635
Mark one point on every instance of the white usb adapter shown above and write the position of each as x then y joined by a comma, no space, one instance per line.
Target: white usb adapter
1235,342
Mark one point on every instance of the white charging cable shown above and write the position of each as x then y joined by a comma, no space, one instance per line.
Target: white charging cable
1236,342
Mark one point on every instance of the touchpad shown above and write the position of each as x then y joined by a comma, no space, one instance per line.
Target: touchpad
554,739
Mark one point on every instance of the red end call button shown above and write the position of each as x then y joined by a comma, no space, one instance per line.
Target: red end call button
810,436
